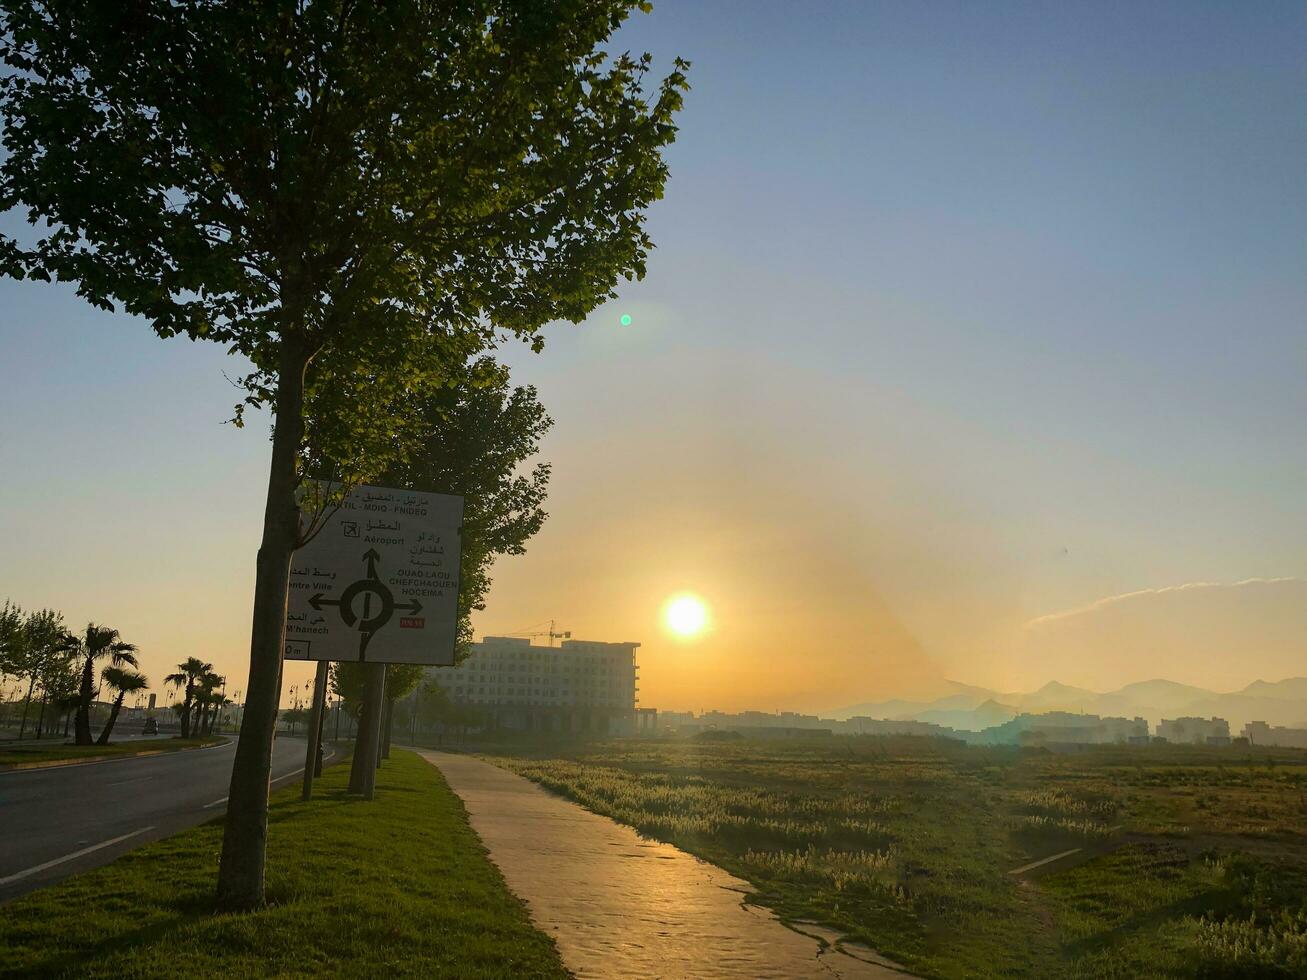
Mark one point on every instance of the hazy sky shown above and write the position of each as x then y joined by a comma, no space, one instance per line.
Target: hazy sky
964,319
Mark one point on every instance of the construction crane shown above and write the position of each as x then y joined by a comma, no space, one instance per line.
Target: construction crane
552,633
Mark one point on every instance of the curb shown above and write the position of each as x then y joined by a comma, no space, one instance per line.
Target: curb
95,759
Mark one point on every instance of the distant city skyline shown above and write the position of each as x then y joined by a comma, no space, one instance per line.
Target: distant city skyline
971,349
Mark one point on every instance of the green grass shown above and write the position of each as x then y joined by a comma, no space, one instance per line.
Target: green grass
1193,859
11,755
400,886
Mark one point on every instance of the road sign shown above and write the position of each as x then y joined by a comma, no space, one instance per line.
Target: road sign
379,581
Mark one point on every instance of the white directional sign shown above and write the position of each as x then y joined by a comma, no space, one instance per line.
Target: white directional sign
379,581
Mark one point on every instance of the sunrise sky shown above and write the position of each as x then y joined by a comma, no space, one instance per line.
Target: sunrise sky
973,348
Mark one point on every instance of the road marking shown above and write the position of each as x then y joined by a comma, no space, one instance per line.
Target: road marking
70,857
28,770
1040,863
275,779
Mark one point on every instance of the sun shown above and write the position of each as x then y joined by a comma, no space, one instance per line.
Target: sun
685,615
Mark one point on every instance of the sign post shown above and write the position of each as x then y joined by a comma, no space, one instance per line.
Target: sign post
315,729
377,584
368,744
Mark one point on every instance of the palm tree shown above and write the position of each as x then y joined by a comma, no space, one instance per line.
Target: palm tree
206,694
124,682
95,643
188,674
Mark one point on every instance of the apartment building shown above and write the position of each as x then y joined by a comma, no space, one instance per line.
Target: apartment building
581,686
1195,731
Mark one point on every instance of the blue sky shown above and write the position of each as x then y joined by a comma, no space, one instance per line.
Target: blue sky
992,309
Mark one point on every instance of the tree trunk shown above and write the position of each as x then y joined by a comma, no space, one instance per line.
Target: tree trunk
363,770
27,702
187,707
357,764
245,832
312,758
40,719
113,717
388,719
83,724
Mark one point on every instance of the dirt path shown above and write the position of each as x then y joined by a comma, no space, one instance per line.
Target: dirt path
622,906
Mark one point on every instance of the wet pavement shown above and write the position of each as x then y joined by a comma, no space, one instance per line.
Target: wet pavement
619,905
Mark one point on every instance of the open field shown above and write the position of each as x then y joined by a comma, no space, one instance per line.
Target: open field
20,755
1189,860
397,887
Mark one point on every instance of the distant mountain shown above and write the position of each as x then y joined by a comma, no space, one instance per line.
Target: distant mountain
1160,693
960,697
1291,688
978,694
891,710
970,708
1058,697
985,715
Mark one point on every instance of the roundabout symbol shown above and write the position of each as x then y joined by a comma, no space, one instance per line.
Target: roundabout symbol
367,604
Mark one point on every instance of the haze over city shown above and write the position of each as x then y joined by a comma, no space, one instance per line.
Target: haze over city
972,348
676,489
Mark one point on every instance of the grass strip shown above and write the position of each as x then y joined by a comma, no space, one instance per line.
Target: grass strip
42,755
400,886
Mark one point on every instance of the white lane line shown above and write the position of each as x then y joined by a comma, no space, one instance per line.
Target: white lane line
70,857
30,770
275,779
1040,863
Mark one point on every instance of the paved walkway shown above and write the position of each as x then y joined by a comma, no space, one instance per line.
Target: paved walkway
621,906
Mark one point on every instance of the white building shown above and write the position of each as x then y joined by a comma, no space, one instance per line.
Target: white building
583,685
1202,731
1260,733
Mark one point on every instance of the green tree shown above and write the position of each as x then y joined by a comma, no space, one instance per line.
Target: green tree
17,658
294,716
97,643
401,681
125,682
350,681
58,670
328,183
11,640
346,680
34,647
50,649
435,707
473,438
190,672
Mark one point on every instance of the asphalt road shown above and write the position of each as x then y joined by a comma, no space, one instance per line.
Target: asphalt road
60,821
